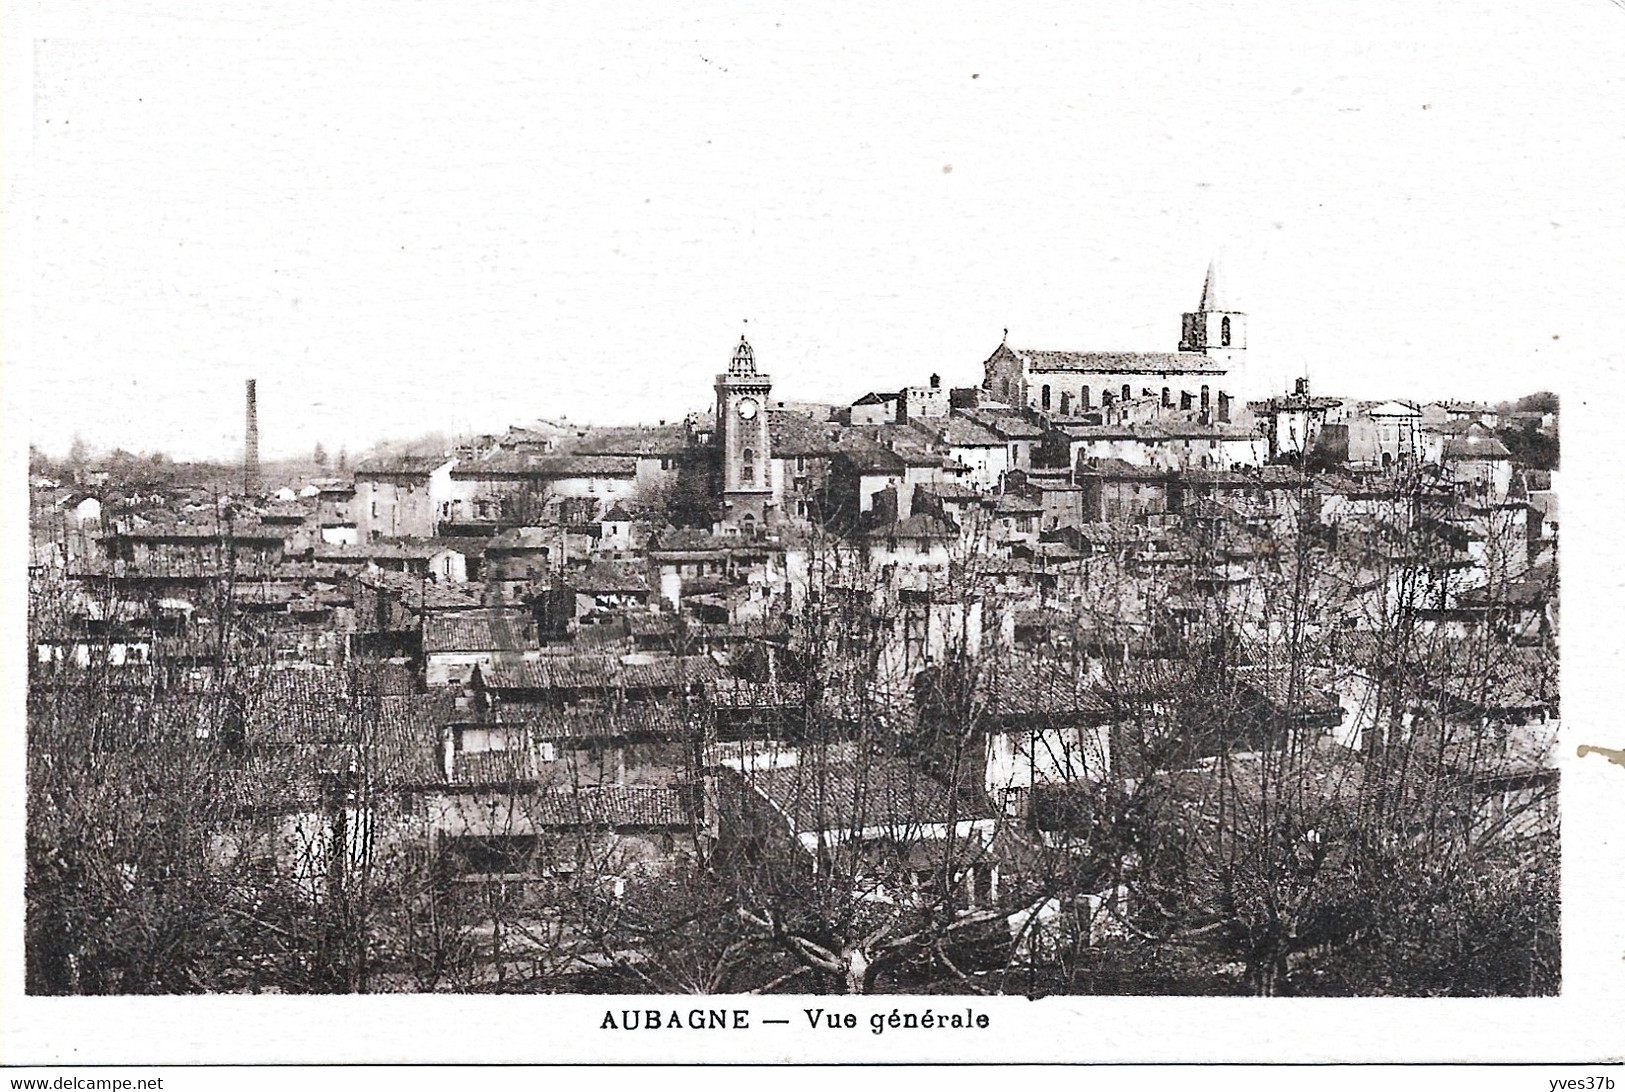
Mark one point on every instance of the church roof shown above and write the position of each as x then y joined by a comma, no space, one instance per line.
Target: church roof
1117,363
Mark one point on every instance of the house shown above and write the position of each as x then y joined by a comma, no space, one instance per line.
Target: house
957,503
591,681
1047,724
658,451
635,745
875,408
1016,518
982,453
319,762
1196,445
188,548
527,488
1479,462
520,556
402,496
688,561
802,451
334,512
811,806
1015,431
1293,422
1385,434
896,461
927,403
919,541
449,565
1462,413
544,794
615,531
82,508
1117,490
456,642
608,588
490,826
296,523
1058,497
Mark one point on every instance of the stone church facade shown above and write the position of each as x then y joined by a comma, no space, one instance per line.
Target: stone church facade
1197,378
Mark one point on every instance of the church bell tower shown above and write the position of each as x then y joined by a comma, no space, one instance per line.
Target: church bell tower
742,432
1215,327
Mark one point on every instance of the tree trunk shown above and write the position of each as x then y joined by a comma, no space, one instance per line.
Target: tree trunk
857,971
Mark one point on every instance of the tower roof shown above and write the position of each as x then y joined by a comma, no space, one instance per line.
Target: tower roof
1213,294
744,359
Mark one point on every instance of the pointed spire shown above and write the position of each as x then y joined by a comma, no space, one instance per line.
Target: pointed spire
1213,298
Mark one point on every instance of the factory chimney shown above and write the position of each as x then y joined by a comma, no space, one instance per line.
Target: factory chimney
251,447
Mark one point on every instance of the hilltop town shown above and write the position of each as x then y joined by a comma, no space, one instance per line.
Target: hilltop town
1092,675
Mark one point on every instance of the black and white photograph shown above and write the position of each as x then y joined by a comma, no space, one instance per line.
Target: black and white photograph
986,533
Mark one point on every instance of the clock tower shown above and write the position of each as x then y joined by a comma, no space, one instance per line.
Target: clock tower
747,487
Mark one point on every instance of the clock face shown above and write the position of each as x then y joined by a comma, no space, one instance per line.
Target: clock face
747,408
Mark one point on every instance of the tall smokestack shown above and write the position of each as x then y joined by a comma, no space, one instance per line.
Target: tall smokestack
251,446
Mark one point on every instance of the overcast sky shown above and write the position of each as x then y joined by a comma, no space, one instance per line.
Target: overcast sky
455,216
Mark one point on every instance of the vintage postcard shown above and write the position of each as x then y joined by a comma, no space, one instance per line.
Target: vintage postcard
985,533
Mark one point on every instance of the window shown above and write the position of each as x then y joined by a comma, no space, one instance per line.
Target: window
1224,330
1128,392
1083,399
1043,400
1066,403
494,856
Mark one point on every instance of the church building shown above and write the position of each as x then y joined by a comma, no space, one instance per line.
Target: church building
1196,379
746,459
